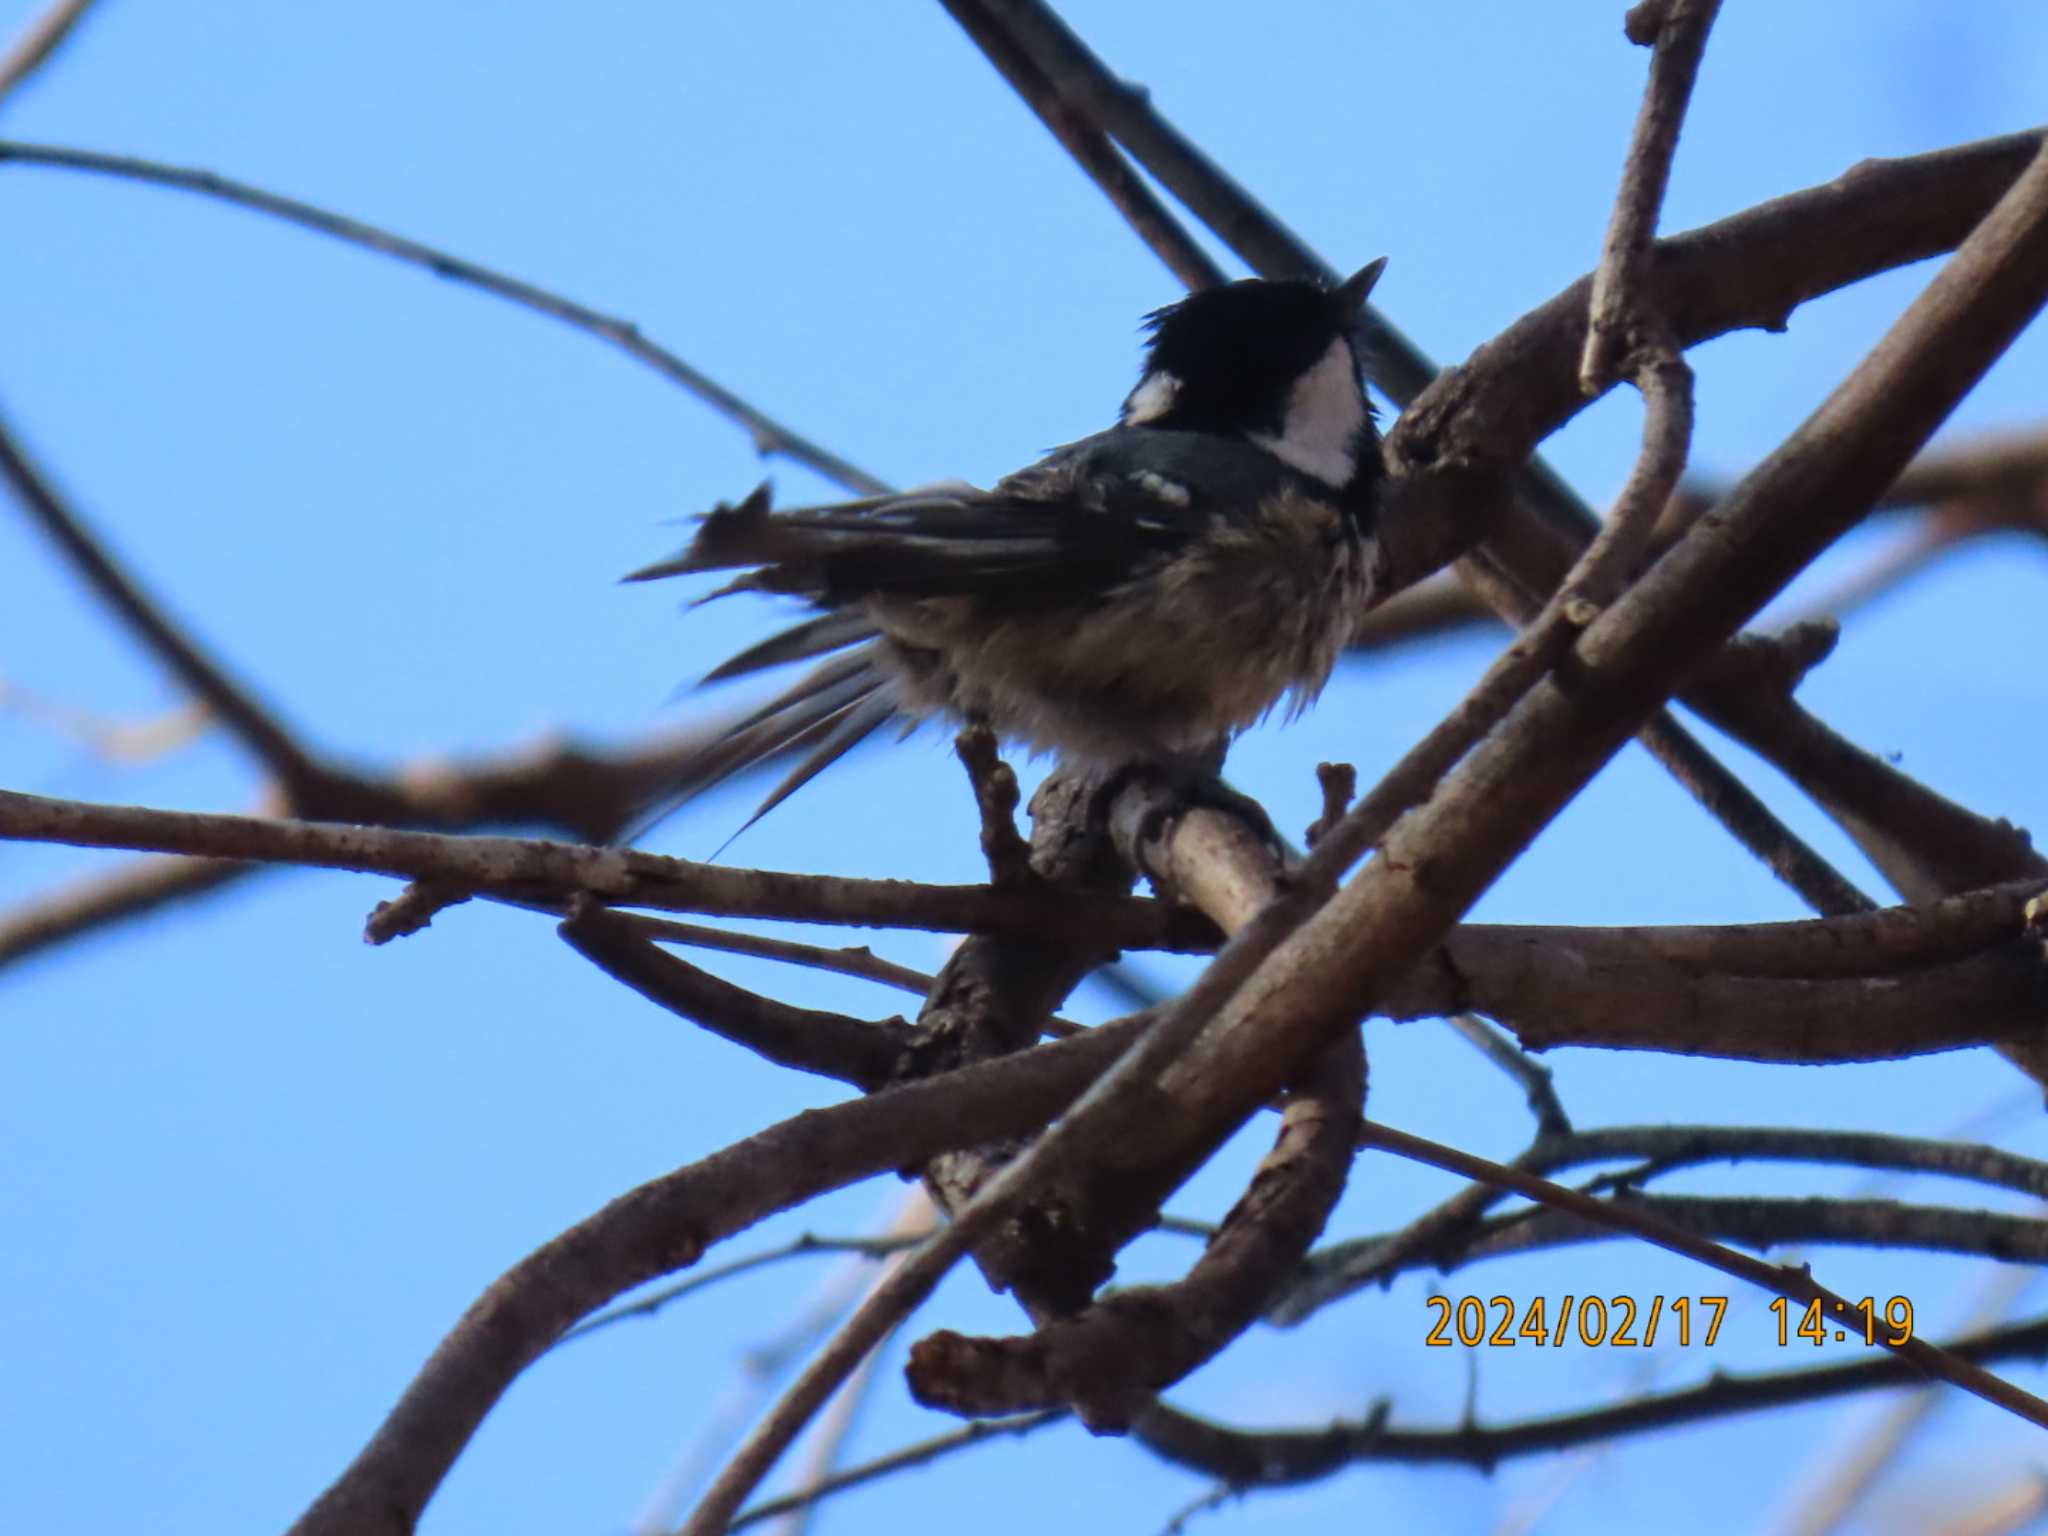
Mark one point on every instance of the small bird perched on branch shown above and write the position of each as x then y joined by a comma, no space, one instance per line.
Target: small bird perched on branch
1145,593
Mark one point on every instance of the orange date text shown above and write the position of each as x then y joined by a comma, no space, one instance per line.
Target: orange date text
1620,1322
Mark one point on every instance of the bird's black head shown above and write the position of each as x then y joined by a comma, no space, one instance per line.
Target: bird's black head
1275,362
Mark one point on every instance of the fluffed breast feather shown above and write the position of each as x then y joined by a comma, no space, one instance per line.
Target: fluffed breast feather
1076,606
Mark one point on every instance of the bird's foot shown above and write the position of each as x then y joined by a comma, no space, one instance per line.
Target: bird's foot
1139,800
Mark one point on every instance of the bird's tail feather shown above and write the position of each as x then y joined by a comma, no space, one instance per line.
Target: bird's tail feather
813,637
824,715
833,707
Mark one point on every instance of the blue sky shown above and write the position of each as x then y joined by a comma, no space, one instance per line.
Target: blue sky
254,1169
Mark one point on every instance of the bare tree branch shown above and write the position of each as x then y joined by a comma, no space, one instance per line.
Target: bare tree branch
906,1287
1925,844
530,870
1567,995
1110,1359
1626,332
589,793
864,1052
993,997
1751,269
1990,468
667,1225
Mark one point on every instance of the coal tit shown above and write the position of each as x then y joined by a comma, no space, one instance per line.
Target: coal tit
1145,593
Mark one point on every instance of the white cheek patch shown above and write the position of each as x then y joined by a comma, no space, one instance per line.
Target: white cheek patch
1152,399
1325,413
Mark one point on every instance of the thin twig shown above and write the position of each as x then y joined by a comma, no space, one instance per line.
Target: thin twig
1823,1508
879,1315
1214,1499
229,700
995,800
915,1216
412,910
36,42
1761,1222
1091,149
1339,784
1702,775
89,904
1530,1074
920,1454
1798,1284
2010,1510
770,436
828,1439
749,1385
1439,1235
648,1305
110,739
1625,328
852,960
1755,825
1616,316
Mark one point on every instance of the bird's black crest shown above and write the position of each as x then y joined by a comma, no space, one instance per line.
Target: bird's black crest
1237,350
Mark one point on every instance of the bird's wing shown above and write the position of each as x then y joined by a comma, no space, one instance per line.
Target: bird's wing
1081,518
